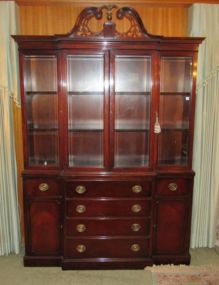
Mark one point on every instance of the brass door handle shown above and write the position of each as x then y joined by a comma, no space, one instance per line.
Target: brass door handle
137,189
172,186
81,248
80,189
135,247
43,187
81,228
136,208
80,209
135,227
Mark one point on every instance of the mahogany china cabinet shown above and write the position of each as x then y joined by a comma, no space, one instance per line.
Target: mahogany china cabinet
108,123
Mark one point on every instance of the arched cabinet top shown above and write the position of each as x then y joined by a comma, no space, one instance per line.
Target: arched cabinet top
108,16
135,28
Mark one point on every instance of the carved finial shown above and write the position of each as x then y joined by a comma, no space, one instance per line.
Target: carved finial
135,30
109,11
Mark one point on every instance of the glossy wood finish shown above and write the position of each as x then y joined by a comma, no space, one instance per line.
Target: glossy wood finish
107,185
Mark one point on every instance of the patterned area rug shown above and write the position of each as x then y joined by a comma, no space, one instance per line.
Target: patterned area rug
185,275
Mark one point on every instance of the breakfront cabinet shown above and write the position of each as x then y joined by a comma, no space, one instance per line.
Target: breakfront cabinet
108,123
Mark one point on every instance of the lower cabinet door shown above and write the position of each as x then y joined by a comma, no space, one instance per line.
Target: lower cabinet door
43,228
171,227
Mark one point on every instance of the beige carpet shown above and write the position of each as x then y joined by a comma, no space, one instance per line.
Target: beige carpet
12,272
185,275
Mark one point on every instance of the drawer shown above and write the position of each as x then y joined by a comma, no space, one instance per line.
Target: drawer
107,227
41,187
106,247
108,207
109,189
172,186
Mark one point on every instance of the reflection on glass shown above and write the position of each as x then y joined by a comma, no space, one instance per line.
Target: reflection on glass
176,74
83,118
40,78
174,110
173,147
43,147
133,74
131,149
40,73
85,73
132,110
86,149
85,86
42,111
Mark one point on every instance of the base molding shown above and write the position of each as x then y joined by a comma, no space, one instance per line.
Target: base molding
42,260
172,259
106,263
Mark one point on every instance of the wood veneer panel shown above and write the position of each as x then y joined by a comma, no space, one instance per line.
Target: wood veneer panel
56,19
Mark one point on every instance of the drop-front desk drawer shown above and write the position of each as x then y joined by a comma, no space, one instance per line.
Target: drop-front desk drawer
108,188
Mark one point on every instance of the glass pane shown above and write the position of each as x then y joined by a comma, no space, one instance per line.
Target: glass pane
40,73
86,148
43,147
131,149
42,111
85,112
132,110
40,77
173,147
85,73
174,111
176,74
133,74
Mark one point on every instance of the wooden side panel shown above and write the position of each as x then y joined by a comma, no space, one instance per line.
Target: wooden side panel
44,228
171,226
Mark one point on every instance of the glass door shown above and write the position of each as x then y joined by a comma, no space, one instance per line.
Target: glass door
174,110
132,98
85,89
41,101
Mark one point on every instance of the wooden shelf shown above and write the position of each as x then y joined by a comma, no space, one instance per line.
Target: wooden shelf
75,93
41,92
186,94
132,93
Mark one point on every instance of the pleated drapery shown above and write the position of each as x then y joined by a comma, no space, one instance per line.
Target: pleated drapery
204,22
9,210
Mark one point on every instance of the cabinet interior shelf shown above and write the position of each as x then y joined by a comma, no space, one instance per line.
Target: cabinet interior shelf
41,92
186,94
84,130
130,130
85,92
132,93
32,129
174,129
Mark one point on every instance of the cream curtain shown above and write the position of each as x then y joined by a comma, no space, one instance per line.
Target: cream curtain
204,21
9,213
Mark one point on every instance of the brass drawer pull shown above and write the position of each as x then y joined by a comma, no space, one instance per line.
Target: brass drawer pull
135,247
81,248
80,189
137,189
135,227
136,208
80,209
81,228
43,187
172,186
